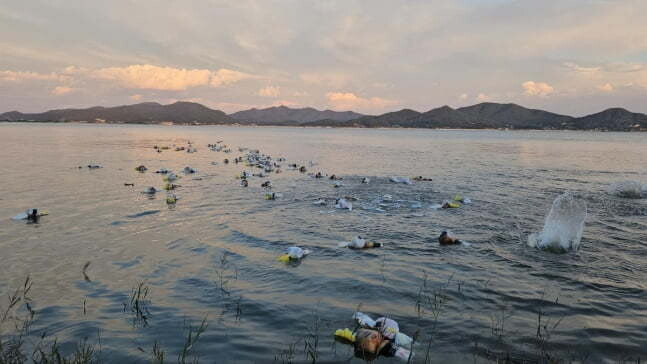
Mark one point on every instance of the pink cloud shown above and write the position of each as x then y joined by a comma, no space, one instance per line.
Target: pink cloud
146,76
348,100
270,91
20,76
61,90
540,89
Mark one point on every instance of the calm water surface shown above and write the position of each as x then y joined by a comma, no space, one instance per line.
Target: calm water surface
214,254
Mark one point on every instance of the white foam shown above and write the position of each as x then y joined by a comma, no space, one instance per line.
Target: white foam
563,226
628,189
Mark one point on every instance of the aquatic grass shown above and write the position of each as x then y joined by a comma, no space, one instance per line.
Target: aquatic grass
84,353
139,303
84,271
383,267
192,337
498,321
21,294
311,340
239,310
546,326
11,344
286,356
429,303
157,353
18,315
225,272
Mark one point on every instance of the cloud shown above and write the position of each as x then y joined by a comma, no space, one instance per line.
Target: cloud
540,89
146,76
577,68
330,79
224,77
270,91
135,97
481,97
285,103
348,100
61,90
623,67
20,76
607,87
463,96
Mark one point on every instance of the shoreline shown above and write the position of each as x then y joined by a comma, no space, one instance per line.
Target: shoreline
309,126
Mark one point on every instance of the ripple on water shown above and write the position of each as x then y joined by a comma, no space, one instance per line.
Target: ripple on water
221,236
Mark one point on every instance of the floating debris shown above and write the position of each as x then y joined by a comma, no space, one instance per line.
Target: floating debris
343,204
170,186
447,238
422,179
31,215
171,177
359,243
294,253
450,205
150,191
403,180
171,199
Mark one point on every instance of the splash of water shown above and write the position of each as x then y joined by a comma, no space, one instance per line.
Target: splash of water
563,226
628,189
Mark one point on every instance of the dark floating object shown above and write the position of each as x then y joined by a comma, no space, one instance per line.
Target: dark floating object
446,239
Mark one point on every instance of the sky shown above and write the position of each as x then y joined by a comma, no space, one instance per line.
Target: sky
373,56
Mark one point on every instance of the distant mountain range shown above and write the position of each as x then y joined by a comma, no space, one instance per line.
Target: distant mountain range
283,114
480,116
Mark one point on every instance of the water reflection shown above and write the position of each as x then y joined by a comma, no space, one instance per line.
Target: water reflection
214,253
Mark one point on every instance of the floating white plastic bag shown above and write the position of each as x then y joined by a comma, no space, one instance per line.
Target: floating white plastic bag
403,180
343,204
364,319
297,253
401,340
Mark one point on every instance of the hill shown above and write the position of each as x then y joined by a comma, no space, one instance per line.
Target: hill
612,119
479,116
284,114
147,112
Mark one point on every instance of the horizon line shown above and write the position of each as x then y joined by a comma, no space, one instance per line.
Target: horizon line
320,110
